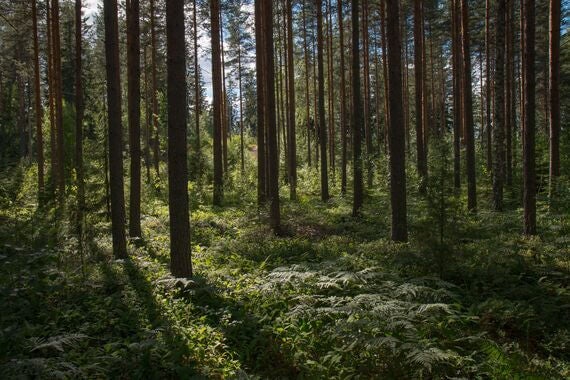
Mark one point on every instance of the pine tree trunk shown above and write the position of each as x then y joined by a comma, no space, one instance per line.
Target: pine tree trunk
356,113
58,93
321,125
292,143
134,98
366,102
419,82
396,135
468,110
554,84
488,83
307,96
51,101
499,124
79,123
343,123
38,106
457,101
153,47
180,264
197,98
217,103
529,125
261,127
115,128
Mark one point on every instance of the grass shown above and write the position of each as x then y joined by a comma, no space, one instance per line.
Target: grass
334,298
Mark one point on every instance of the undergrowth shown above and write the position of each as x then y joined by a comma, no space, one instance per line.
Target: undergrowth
334,298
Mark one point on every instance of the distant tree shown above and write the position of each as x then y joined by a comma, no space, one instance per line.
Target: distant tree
115,128
343,109
291,130
499,114
180,264
420,98
38,104
79,122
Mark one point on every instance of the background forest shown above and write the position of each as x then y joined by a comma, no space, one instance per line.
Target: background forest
284,189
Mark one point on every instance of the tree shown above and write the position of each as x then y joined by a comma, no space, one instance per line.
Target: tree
38,104
468,109
419,80
356,113
529,122
197,97
134,98
153,53
180,264
58,100
272,152
499,113
261,122
321,124
291,135
115,128
342,95
457,101
79,122
217,102
554,95
397,134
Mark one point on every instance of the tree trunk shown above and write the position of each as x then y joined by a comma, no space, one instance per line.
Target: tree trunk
554,80
197,99
321,125
180,264
488,83
397,134
153,47
261,127
58,87
529,163
51,100
134,98
509,91
343,124
468,110
419,82
366,102
79,124
457,101
217,103
499,113
115,128
307,99
356,113
292,143
38,106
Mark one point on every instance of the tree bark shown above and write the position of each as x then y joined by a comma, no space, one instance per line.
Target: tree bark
322,126
38,106
499,125
153,48
397,133
134,98
180,264
79,124
197,99
554,94
343,124
529,125
261,127
468,110
292,137
217,103
419,81
356,113
115,128
58,101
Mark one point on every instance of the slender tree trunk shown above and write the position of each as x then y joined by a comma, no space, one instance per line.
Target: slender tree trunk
343,123
292,144
51,100
115,128
356,112
322,128
397,134
419,79
385,69
38,106
366,102
260,72
529,157
307,98
499,125
554,85
330,72
197,97
488,84
509,92
153,47
457,96
241,127
134,99
79,124
58,100
148,115
217,103
468,110
180,263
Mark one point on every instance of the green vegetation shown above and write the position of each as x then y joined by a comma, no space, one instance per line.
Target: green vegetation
332,299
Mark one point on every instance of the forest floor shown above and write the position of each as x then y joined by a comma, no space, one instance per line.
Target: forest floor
334,298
